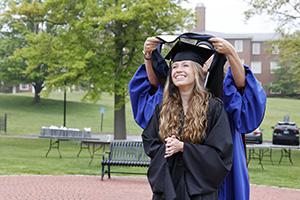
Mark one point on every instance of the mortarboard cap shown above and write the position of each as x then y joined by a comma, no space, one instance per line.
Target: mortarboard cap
215,76
205,43
185,51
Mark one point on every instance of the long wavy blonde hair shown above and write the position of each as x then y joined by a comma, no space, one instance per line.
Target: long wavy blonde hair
195,120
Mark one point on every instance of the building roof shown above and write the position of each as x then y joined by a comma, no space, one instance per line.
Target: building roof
257,37
265,36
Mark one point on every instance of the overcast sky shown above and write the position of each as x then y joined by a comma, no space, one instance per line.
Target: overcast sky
227,16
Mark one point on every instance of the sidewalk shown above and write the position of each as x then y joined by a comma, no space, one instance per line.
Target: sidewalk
35,187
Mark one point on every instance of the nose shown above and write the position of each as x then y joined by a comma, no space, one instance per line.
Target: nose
178,69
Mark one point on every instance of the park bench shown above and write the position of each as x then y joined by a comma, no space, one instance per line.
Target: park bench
124,153
3,123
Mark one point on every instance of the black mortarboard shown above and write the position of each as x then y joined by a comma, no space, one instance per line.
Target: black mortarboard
205,43
185,51
215,76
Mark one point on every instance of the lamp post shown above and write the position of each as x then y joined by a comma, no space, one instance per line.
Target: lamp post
65,103
64,70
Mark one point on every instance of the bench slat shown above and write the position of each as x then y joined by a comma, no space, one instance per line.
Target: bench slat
125,153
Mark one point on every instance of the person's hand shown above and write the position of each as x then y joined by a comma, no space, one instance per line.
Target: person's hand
222,46
149,46
238,71
173,145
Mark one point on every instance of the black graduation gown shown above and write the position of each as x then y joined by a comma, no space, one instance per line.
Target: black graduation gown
196,173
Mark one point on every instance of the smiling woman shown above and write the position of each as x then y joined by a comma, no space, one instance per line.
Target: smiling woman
183,75
188,138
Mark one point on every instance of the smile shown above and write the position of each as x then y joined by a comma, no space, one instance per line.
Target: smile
180,76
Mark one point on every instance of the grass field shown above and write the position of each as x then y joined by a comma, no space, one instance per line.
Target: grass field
276,109
284,174
24,117
27,156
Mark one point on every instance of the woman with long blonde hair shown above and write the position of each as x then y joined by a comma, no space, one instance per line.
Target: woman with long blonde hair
188,137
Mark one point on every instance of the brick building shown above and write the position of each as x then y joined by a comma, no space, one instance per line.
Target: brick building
255,49
15,88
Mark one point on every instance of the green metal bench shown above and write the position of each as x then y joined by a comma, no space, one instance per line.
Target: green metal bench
124,153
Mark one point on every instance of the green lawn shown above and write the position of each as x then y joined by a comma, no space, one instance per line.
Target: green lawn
25,117
276,109
283,175
27,156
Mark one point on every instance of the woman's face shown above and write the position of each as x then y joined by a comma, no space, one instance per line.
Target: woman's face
183,74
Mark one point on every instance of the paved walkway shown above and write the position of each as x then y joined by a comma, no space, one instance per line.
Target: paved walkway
92,188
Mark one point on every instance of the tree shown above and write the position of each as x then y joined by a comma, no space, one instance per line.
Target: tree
9,41
97,44
125,27
287,15
21,21
10,70
285,12
288,77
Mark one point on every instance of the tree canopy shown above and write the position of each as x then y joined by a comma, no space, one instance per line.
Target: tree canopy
287,15
20,23
94,44
288,76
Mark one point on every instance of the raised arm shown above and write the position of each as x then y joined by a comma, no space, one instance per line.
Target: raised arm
149,46
224,47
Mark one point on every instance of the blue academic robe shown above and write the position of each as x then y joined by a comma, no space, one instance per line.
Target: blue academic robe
245,111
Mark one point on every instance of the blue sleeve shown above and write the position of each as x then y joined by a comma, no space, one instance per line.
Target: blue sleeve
143,99
245,108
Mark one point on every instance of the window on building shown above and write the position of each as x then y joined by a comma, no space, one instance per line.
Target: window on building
256,48
238,45
23,87
256,67
273,66
275,49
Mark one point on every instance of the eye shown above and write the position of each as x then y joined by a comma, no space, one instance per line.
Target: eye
186,65
174,66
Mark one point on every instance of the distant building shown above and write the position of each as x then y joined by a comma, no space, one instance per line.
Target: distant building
15,88
254,49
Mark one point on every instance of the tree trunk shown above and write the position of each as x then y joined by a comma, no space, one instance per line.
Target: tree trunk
37,90
119,118
119,106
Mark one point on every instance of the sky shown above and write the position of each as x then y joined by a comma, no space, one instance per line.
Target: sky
227,16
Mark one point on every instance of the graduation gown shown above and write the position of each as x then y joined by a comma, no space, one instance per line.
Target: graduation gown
197,172
245,112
